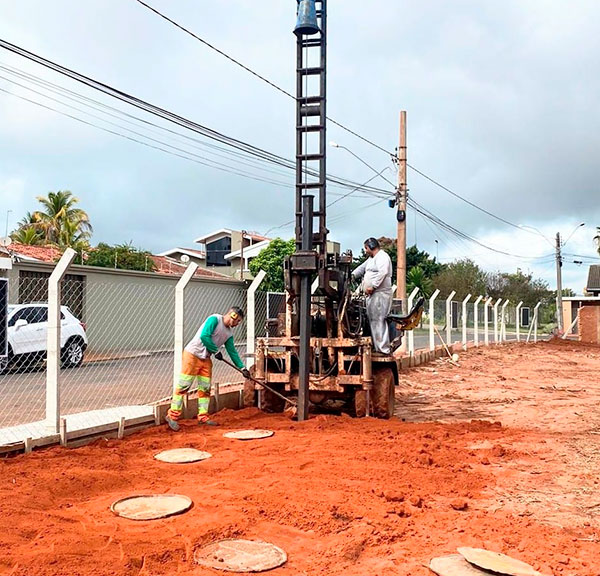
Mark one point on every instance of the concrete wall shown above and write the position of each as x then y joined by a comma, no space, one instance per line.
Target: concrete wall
134,311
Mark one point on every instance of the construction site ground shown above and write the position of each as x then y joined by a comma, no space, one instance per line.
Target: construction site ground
501,452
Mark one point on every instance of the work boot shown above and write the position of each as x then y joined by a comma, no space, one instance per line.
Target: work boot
172,424
207,422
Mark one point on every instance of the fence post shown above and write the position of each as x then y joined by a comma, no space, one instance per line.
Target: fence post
518,320
179,301
449,318
570,329
431,314
486,320
53,342
464,320
503,323
535,321
411,336
251,317
476,321
496,320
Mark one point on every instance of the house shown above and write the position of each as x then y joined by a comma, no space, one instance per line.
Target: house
164,264
593,281
221,251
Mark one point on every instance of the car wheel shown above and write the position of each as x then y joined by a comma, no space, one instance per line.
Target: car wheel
72,354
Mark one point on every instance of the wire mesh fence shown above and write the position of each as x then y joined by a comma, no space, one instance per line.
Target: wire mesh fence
202,300
118,336
22,374
123,354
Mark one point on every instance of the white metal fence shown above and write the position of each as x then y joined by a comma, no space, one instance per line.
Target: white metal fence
130,331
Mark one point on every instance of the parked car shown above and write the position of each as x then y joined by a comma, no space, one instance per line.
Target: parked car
28,331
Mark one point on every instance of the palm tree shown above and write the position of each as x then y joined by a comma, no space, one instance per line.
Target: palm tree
28,235
60,222
416,278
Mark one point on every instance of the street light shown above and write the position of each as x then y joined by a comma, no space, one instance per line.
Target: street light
6,229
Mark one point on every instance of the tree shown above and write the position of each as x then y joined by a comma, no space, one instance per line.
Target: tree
60,221
27,235
414,257
517,287
28,231
123,256
416,278
270,259
463,276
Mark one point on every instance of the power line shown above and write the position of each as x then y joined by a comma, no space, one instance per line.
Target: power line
441,223
254,73
339,124
499,218
237,144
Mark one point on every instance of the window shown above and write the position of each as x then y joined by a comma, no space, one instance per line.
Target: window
27,314
217,250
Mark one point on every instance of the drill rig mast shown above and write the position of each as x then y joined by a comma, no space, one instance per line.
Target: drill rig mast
326,352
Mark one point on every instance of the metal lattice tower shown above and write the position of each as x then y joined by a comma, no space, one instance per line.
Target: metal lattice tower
311,140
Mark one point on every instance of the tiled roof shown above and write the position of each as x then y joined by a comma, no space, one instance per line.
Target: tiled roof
593,282
166,265
40,253
51,254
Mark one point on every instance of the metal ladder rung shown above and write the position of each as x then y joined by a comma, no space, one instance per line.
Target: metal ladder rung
311,71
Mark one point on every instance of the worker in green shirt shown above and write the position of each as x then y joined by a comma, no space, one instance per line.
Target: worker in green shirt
215,332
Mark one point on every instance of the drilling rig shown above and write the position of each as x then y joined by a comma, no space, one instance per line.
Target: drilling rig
325,354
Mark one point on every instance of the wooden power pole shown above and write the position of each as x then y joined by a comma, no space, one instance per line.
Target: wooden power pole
401,216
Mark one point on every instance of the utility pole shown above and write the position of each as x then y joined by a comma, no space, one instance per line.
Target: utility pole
401,216
559,310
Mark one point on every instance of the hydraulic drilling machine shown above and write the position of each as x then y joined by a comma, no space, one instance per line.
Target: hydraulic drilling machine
326,354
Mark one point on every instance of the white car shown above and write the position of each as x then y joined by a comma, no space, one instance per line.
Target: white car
28,331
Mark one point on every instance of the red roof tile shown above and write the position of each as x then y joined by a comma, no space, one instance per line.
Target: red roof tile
51,254
41,253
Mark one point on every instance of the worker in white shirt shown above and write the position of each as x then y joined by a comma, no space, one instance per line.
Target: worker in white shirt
376,272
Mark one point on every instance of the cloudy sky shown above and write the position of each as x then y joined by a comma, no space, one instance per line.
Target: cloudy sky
501,97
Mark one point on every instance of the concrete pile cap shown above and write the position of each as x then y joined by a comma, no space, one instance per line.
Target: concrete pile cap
151,506
182,455
240,556
249,434
454,565
497,562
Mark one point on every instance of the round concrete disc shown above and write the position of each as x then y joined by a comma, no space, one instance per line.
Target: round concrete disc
240,556
151,507
453,565
182,455
249,434
497,562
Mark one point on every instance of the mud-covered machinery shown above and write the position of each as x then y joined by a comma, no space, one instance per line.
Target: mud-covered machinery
345,372
324,353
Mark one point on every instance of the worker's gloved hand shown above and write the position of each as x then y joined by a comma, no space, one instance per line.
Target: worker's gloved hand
246,373
218,356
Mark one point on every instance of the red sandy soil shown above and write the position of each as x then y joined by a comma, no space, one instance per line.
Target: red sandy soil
512,464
